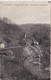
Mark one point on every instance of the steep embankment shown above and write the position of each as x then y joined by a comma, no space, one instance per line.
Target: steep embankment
33,60
14,68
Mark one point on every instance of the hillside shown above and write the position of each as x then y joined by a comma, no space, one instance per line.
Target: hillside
40,32
21,62
10,33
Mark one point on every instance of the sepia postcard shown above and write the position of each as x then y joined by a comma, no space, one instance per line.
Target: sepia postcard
25,40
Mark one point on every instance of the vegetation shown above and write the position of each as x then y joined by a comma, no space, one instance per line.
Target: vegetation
10,33
13,35
40,32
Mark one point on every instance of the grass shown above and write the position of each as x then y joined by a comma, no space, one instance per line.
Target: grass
14,69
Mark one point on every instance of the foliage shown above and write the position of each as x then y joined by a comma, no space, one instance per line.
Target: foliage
11,33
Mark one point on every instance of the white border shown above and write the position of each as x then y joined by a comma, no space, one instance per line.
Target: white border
25,0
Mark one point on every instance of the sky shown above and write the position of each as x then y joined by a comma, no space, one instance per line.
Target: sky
26,12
